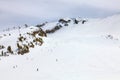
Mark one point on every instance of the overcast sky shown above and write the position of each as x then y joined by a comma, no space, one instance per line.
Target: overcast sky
19,12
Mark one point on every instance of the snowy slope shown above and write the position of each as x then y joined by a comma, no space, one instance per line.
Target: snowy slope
75,52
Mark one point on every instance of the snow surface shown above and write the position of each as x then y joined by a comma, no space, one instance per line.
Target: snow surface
75,52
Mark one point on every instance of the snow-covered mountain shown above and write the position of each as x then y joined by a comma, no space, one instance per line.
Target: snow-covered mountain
68,49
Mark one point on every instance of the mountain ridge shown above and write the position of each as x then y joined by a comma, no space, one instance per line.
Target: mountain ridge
88,51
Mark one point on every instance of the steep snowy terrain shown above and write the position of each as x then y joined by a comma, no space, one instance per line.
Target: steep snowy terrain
89,51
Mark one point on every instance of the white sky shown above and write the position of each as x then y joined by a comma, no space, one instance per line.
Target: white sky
14,12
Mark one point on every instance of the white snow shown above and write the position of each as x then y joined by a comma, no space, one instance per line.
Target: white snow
75,52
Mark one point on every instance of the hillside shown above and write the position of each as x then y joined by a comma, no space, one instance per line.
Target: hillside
70,51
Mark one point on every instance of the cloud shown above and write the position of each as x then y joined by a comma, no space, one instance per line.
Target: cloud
104,4
32,11
43,8
36,8
28,8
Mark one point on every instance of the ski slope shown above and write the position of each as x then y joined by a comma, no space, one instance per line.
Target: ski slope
75,52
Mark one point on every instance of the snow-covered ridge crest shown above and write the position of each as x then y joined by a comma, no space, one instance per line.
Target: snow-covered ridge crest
89,51
12,40
21,39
